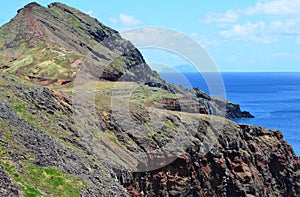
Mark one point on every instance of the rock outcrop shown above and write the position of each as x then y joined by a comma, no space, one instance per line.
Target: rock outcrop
127,133
49,46
249,161
213,156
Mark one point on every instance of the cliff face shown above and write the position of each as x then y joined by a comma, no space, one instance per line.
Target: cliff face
42,145
127,133
249,161
42,151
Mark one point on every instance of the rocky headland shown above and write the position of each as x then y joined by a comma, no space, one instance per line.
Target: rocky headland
82,114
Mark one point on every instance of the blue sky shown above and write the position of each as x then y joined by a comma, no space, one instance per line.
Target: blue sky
248,35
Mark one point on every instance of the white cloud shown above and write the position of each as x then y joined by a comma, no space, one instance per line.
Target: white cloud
276,24
248,32
129,20
125,20
264,22
275,7
245,29
228,17
90,12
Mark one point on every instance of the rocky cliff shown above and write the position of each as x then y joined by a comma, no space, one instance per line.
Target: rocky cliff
45,151
249,161
123,132
48,46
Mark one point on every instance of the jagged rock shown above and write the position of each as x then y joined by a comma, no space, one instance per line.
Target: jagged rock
221,158
51,45
7,188
272,169
120,147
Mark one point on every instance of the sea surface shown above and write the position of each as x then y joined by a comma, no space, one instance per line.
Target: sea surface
273,98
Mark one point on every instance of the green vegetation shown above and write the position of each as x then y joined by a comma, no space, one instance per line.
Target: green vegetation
111,136
118,64
42,62
150,131
51,118
70,18
52,180
22,110
36,50
5,31
41,118
170,124
46,55
5,131
40,181
6,136
103,113
145,94
161,135
22,64
135,93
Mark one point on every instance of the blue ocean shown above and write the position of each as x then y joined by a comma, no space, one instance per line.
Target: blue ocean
273,98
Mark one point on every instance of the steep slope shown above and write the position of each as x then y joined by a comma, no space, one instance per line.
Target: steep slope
46,150
42,150
246,161
59,38
48,46
125,132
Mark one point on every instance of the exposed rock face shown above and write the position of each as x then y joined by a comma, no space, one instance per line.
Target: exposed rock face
249,161
37,128
183,104
51,144
49,46
7,188
221,158
234,111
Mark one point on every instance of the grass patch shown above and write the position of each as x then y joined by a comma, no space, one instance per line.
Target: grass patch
22,110
162,135
5,32
31,192
5,131
36,50
74,56
118,64
111,136
46,55
150,131
145,94
51,118
41,181
170,124
104,113
17,178
21,64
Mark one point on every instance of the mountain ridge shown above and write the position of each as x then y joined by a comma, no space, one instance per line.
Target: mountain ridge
58,41
124,133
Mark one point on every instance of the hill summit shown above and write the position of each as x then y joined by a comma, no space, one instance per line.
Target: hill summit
82,114
48,46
